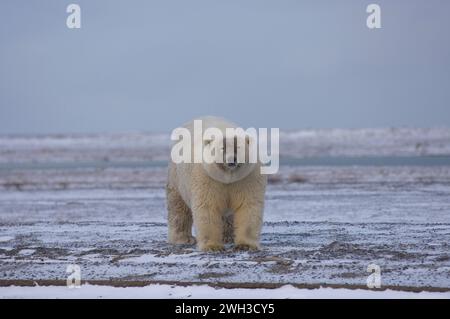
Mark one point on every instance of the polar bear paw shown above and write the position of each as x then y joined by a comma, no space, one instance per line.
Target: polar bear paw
186,240
211,247
246,246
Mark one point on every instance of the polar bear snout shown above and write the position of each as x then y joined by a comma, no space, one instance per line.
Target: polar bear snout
232,164
231,161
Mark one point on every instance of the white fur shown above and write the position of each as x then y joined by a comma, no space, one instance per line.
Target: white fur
196,197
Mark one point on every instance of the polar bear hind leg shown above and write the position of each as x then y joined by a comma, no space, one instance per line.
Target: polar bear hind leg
228,232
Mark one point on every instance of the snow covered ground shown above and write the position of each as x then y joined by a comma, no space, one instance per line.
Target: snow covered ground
206,292
343,199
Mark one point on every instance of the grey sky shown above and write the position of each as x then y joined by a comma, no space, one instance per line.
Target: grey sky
151,65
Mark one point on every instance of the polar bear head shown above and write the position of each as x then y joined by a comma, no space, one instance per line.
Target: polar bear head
228,159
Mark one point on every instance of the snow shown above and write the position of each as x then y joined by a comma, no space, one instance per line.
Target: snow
325,230
6,238
98,201
206,292
26,252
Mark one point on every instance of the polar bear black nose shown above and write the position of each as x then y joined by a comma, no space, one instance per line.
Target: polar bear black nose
232,163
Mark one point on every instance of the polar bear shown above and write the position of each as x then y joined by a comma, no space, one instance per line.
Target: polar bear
224,200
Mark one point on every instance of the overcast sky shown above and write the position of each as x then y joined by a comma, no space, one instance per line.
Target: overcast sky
151,65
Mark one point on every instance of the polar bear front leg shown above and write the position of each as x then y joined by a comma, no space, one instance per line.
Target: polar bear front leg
179,219
247,226
208,224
